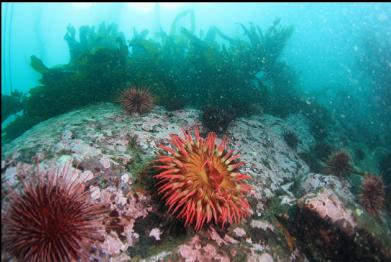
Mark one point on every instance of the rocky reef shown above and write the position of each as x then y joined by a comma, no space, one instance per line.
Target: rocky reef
297,215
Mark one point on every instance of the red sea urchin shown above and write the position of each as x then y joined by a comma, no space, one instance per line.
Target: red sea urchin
136,100
372,195
52,219
200,180
339,164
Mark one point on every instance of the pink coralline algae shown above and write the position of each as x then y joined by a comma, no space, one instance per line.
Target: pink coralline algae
113,245
127,209
105,162
191,251
86,175
155,232
263,224
216,237
239,232
328,206
210,249
194,251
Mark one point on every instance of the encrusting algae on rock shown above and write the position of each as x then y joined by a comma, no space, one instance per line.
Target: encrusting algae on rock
137,227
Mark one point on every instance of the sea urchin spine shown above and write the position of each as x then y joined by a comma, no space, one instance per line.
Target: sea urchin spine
291,139
200,180
339,164
52,219
136,100
372,195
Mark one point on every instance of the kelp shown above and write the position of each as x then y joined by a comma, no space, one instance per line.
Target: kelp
180,16
265,48
38,65
106,36
96,74
11,104
215,72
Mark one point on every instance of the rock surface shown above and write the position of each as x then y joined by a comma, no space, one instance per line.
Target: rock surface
112,150
331,225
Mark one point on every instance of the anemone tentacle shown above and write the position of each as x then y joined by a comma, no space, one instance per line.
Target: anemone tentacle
200,180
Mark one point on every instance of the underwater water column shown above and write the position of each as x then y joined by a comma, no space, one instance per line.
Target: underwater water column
38,33
156,12
20,40
6,24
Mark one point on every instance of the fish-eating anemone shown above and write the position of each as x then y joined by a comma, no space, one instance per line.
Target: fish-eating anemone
200,181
